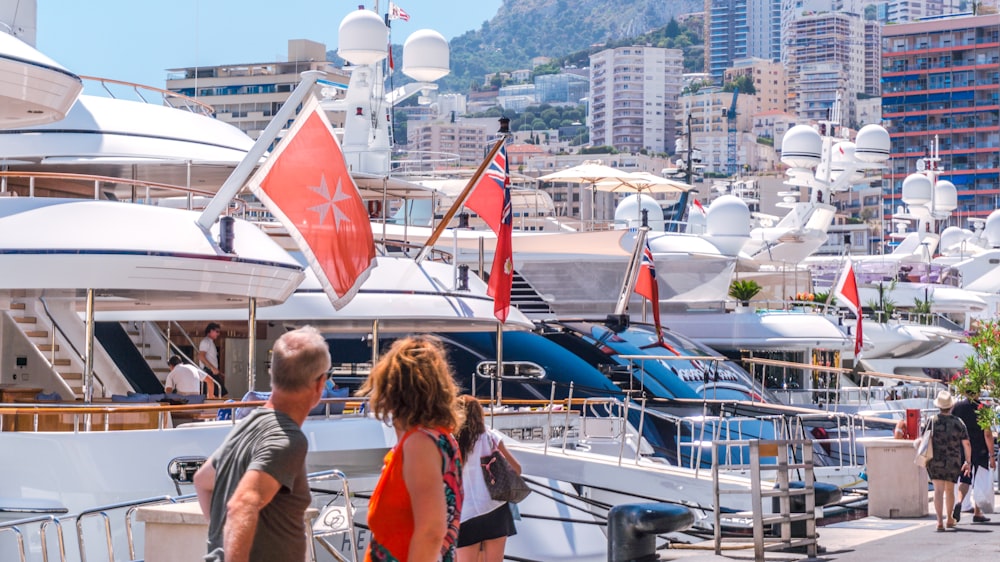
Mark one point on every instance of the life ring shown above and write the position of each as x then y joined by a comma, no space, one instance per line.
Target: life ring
374,208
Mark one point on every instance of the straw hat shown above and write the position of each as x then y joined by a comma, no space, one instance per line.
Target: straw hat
944,400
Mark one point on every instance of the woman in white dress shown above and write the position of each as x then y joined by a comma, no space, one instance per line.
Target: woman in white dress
486,523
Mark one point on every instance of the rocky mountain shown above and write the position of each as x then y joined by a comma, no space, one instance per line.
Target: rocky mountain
523,29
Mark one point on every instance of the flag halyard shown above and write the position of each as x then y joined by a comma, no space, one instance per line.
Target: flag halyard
305,184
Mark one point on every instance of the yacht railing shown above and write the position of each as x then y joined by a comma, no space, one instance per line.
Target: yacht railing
141,92
121,416
828,389
96,180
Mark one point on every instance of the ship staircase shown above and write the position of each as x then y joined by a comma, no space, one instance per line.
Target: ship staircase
524,296
47,340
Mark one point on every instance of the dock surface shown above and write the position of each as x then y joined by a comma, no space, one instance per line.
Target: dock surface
871,539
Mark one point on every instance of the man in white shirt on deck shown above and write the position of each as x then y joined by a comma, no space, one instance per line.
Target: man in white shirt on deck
185,379
208,356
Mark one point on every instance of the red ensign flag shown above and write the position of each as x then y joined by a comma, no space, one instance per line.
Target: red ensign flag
490,199
645,285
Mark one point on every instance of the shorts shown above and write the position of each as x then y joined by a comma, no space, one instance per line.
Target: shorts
493,525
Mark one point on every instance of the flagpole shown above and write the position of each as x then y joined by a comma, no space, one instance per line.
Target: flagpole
234,183
631,272
459,201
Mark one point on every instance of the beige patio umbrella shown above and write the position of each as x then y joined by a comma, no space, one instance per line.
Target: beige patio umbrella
590,172
639,182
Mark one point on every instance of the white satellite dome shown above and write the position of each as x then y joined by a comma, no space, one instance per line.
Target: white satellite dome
872,144
628,213
802,147
945,196
426,56
992,229
953,236
917,190
728,216
363,38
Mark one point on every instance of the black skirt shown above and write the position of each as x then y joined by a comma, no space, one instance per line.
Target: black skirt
493,525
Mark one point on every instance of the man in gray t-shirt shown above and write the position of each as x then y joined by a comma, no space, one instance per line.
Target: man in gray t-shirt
254,486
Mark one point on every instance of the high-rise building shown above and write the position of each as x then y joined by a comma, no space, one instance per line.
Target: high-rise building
247,95
633,93
940,81
824,57
738,29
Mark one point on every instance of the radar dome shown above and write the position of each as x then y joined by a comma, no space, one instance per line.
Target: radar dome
917,189
426,56
628,213
728,216
363,38
802,147
945,196
952,237
992,229
872,144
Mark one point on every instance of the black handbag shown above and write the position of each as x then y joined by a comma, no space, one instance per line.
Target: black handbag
503,483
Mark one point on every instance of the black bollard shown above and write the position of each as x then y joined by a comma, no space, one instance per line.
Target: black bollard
632,529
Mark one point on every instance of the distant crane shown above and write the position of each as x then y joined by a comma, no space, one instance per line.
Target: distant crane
731,118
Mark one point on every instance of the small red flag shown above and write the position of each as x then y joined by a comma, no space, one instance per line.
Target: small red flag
846,292
307,187
645,285
490,199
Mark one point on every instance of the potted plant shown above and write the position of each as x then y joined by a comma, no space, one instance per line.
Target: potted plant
743,290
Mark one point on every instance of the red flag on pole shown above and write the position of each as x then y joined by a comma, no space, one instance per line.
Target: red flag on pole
846,292
305,184
490,199
645,285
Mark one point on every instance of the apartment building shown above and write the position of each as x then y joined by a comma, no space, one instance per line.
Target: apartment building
247,95
739,29
824,60
941,80
633,92
447,144
708,109
768,79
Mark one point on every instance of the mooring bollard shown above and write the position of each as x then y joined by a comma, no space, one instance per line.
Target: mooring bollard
632,529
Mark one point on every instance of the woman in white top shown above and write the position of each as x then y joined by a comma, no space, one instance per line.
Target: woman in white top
486,523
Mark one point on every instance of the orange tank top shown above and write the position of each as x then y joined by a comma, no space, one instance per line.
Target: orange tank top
390,511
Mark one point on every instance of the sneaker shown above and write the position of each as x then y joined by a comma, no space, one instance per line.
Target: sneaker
980,519
956,512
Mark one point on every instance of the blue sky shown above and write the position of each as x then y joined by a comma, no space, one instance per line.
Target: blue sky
137,40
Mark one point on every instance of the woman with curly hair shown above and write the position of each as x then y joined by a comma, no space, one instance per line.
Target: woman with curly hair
412,388
486,523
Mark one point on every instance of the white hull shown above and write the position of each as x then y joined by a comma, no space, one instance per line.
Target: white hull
34,89
88,469
140,255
